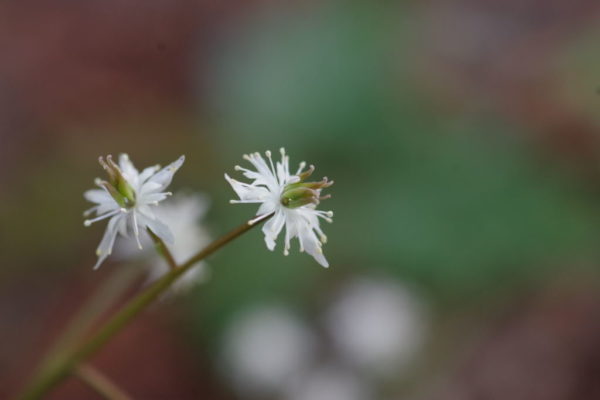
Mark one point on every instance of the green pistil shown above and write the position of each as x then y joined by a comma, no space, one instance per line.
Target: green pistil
117,185
302,193
299,196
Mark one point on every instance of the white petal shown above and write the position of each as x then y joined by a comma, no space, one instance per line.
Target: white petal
312,245
266,176
98,196
147,173
129,171
248,193
272,228
122,227
267,207
103,208
151,198
108,240
164,177
159,228
146,210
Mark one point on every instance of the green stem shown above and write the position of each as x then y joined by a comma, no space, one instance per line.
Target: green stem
63,365
100,383
163,250
97,304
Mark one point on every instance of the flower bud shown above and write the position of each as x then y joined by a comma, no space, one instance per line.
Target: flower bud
299,196
117,185
301,193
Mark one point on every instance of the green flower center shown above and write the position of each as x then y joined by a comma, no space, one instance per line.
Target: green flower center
301,193
117,185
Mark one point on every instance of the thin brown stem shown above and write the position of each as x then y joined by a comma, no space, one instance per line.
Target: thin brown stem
100,383
223,240
62,365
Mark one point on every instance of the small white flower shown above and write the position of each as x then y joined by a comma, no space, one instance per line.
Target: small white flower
127,199
378,325
329,382
184,213
292,201
265,348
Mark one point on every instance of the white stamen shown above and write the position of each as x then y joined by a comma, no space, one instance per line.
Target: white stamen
258,219
143,198
273,170
89,222
268,180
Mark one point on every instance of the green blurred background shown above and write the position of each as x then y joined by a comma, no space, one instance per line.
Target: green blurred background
462,137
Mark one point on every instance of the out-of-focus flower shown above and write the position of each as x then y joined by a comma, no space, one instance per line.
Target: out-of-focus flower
378,326
329,383
264,349
292,201
128,198
184,213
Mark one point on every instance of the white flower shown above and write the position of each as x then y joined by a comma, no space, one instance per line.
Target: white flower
378,325
183,213
329,382
127,199
265,348
291,200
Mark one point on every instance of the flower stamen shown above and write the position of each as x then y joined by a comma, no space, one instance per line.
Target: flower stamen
89,222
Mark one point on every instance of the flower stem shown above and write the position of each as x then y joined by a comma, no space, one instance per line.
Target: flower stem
62,366
100,383
163,250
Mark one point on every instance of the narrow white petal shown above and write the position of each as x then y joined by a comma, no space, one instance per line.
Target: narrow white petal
312,245
106,207
136,229
164,177
247,192
150,187
153,198
266,176
147,173
106,244
272,228
130,172
122,227
98,196
101,259
159,228
146,210
267,208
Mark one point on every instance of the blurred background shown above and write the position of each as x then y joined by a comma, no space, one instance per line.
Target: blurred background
464,139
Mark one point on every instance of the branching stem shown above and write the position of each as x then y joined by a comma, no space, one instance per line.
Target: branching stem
65,364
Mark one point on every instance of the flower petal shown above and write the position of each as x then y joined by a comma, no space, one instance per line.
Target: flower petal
98,196
108,240
311,244
163,178
159,228
147,173
272,228
248,193
129,171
